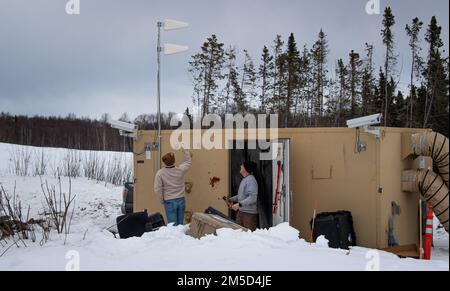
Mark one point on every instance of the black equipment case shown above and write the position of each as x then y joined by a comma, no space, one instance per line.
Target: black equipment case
337,227
136,224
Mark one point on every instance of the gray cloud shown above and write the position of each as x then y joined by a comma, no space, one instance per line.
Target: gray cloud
104,60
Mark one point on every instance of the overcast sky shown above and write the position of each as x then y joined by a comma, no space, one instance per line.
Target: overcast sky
104,60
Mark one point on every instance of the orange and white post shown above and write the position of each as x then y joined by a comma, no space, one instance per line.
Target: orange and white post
428,234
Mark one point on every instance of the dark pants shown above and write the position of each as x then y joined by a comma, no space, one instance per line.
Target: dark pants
247,220
175,210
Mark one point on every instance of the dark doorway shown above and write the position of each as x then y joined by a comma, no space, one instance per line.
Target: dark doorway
263,176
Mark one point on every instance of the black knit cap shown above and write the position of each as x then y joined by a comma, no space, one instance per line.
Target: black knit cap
249,167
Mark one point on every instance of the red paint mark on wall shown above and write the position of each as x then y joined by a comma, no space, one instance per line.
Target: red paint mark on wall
213,181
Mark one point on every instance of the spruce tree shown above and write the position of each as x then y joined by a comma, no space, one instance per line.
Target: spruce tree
355,73
436,102
399,110
248,85
279,69
265,73
368,86
292,63
341,101
380,94
390,59
303,92
230,76
206,71
413,31
319,55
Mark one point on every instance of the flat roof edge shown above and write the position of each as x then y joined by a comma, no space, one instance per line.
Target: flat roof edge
307,130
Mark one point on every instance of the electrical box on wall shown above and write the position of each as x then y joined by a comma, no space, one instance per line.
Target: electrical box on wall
148,148
152,146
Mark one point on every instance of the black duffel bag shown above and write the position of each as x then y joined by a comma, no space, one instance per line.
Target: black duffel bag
154,222
136,224
337,227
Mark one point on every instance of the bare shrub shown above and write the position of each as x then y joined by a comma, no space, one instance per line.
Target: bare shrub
118,172
94,166
14,226
20,158
58,205
72,164
115,170
40,163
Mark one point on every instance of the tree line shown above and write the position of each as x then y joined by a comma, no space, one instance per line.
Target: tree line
81,133
61,132
70,131
298,83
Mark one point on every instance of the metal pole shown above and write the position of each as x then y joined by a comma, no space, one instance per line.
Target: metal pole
159,49
420,230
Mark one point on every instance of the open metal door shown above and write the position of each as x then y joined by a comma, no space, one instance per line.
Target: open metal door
281,210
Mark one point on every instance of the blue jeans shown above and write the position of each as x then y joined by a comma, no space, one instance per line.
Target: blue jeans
175,210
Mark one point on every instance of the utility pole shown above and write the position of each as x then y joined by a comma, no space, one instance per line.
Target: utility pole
168,49
159,49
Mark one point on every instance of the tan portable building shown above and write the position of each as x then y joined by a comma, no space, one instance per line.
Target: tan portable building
322,171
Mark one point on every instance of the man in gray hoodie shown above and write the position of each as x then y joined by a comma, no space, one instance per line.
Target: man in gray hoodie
246,199
169,186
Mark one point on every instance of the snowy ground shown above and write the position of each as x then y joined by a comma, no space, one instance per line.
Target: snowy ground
440,242
114,167
94,248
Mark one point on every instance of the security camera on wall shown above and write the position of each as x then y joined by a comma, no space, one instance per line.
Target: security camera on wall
365,121
125,128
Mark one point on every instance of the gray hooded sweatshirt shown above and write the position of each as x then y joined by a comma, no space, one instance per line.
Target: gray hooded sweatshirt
247,195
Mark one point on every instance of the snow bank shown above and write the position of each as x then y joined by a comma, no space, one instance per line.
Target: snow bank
321,241
170,249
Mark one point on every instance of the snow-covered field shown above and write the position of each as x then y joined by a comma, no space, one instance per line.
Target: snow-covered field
114,167
91,247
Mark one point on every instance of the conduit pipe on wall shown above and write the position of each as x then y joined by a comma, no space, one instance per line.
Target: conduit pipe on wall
434,145
432,187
